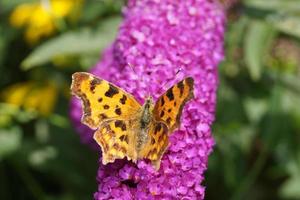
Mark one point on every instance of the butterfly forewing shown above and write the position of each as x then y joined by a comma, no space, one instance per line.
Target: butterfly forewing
169,106
102,100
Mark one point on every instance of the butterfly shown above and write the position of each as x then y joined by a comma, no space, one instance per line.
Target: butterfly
125,128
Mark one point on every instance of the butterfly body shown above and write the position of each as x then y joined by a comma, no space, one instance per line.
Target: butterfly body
145,120
125,128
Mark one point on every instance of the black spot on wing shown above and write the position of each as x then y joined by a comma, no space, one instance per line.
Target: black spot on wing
162,113
94,83
118,111
157,128
180,86
120,124
152,141
160,129
124,138
168,120
123,99
170,94
190,82
100,99
106,107
103,116
162,101
161,137
111,91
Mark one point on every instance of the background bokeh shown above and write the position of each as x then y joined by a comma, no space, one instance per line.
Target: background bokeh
257,127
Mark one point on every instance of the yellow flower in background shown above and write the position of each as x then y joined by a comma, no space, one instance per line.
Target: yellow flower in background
40,18
32,97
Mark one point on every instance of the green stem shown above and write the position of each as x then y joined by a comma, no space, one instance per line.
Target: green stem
29,181
252,175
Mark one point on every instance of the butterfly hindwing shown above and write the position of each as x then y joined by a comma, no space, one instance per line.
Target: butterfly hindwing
157,143
116,138
101,99
169,106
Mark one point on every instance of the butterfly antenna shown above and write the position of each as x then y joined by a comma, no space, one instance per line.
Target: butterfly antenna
132,68
168,81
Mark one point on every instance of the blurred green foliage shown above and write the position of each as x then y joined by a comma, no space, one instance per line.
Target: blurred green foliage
41,156
257,128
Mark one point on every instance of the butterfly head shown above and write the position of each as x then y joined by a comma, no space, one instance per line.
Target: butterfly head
149,101
147,112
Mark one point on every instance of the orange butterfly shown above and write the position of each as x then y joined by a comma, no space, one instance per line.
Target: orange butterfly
123,126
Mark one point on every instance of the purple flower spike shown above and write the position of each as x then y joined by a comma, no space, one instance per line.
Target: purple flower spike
157,38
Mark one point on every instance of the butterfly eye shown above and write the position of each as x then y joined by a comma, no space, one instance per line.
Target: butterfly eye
147,104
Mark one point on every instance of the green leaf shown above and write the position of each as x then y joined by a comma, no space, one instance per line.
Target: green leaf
255,109
98,9
257,42
288,24
6,5
290,188
274,5
74,43
42,155
10,140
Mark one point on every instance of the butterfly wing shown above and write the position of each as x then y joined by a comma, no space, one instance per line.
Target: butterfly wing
102,100
116,138
157,143
169,106
167,112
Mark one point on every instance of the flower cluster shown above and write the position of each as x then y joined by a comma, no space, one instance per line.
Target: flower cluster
41,18
31,96
156,39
